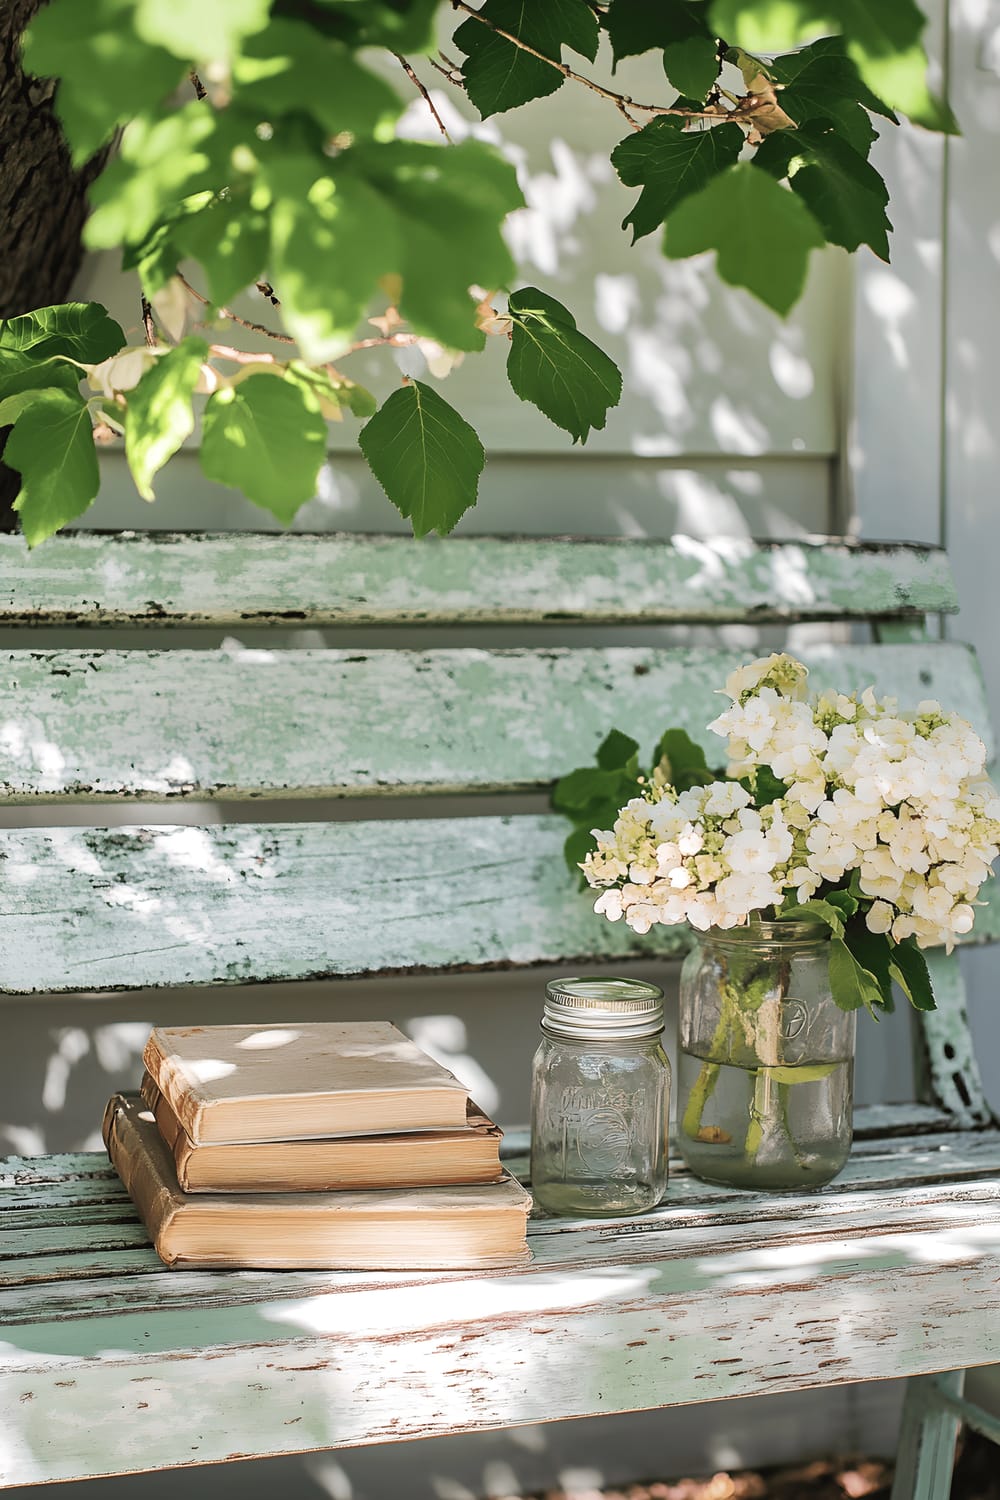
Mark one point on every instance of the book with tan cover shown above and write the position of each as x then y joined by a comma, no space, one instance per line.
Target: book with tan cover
299,1081
387,1229
424,1158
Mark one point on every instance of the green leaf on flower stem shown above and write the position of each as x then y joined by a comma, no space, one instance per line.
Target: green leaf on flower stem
679,30
107,72
822,83
198,32
556,367
844,192
497,74
587,788
873,951
669,164
845,903
814,911
577,846
909,969
425,456
332,238
290,67
764,787
852,985
160,415
450,203
762,233
52,448
616,750
685,764
265,437
812,1073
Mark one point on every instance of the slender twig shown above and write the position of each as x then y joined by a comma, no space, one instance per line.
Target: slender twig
199,87
241,356
451,73
394,340
424,95
622,102
225,312
148,325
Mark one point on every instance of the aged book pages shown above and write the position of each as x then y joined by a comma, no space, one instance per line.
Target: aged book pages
298,1081
424,1158
392,1229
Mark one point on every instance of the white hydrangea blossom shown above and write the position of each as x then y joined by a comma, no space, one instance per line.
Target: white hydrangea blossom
897,801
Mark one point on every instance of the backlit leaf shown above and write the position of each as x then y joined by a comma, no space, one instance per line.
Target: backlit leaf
160,414
52,448
289,67
266,438
762,233
198,31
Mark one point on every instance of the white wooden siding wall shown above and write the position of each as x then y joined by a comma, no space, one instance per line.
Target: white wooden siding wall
696,447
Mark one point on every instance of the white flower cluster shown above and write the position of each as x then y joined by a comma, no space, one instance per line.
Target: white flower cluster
901,799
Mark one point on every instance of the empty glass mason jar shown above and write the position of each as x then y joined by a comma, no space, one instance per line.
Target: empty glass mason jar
600,1099
765,1058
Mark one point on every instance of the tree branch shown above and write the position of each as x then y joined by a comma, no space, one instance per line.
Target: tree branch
622,102
225,312
411,75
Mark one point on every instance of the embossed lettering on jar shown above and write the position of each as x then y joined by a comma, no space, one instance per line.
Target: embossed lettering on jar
600,1099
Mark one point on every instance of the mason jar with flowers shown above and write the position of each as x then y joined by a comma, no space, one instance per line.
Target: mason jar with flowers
843,838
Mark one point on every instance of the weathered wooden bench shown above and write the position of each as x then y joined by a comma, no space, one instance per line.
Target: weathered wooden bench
110,1364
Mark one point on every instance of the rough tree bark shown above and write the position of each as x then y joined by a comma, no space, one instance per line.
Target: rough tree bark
43,201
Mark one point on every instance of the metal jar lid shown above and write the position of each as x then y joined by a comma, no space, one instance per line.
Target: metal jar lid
602,1009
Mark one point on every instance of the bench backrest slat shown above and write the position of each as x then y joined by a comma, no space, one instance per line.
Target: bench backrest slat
166,579
79,724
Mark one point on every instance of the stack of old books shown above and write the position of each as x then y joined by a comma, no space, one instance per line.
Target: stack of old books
333,1144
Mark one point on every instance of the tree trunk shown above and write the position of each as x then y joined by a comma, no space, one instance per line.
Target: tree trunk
43,201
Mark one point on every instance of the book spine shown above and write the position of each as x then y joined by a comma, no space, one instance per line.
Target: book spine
153,1199
171,1080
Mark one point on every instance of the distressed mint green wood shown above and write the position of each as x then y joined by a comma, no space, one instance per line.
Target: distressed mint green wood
131,908
947,1070
245,722
927,1438
687,1304
162,578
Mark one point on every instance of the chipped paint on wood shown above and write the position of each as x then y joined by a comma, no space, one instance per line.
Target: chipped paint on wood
247,722
733,1295
130,908
164,579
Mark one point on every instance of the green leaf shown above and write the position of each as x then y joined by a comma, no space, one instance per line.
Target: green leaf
332,390
814,911
22,372
556,367
576,848
52,448
196,31
686,765
669,164
822,83
762,233
844,192
883,41
679,30
499,75
845,903
810,1073
229,239
332,238
450,203
616,750
587,788
160,415
765,787
425,456
264,437
290,68
80,330
851,985
909,969
107,72
399,25
873,951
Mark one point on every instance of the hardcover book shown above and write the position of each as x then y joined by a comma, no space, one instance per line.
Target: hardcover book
388,1229
423,1158
316,1079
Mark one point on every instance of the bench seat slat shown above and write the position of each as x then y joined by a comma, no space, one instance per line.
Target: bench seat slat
175,579
133,908
245,723
674,1307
